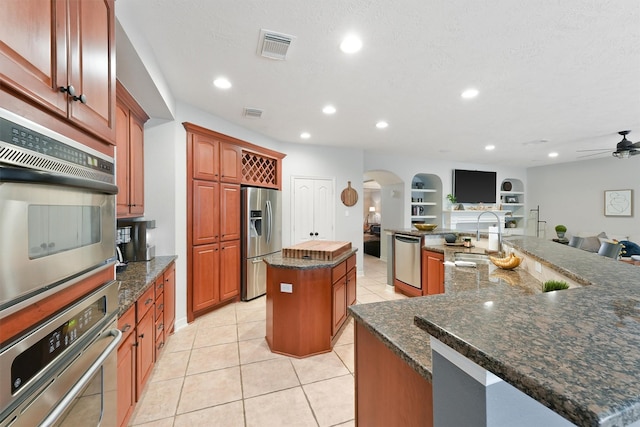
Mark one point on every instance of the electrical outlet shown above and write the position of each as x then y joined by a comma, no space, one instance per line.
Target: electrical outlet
286,288
538,267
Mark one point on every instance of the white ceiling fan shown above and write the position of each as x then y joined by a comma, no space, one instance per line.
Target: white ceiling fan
624,148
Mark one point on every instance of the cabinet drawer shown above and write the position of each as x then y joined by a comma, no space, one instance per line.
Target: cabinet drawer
338,271
145,302
351,262
127,322
159,306
159,285
159,333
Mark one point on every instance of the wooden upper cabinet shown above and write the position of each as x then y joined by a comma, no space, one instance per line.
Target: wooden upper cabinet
92,69
60,54
33,51
130,119
230,163
206,157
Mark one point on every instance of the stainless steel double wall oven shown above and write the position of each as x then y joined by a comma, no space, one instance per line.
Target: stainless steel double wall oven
57,231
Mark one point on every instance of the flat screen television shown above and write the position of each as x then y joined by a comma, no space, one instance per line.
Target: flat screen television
474,186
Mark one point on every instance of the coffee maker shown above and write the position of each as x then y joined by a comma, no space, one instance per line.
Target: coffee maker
138,246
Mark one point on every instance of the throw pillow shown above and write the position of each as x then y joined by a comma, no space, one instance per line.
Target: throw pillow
590,244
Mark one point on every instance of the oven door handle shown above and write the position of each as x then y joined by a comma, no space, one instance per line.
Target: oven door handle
84,380
41,177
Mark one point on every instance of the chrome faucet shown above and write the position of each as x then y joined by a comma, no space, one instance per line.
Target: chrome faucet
499,229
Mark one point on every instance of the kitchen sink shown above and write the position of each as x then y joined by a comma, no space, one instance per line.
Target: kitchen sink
471,257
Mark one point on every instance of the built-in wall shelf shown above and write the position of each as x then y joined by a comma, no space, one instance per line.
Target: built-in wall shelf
426,199
512,201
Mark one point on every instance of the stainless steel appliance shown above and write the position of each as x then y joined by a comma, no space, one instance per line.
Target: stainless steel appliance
57,205
64,372
406,258
139,246
261,236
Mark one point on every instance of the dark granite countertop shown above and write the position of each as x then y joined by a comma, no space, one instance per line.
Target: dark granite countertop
137,278
278,261
575,351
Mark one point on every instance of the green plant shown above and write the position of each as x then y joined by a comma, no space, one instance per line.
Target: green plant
561,228
554,285
452,198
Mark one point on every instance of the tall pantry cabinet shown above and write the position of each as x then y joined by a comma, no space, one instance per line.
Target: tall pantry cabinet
217,165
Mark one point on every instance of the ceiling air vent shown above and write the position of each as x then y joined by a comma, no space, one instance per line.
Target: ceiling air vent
252,113
274,45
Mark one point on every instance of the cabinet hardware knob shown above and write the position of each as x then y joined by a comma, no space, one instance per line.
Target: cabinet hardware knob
135,344
149,301
126,328
160,286
82,98
160,307
141,336
69,89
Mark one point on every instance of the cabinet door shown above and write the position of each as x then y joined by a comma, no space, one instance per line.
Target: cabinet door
136,166
33,52
339,304
205,212
230,163
205,158
122,159
434,273
126,379
230,212
229,269
144,351
127,366
92,66
169,298
205,283
351,287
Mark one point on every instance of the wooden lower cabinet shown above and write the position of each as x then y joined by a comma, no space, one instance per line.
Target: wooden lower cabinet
304,320
145,327
432,273
145,351
127,366
388,391
216,274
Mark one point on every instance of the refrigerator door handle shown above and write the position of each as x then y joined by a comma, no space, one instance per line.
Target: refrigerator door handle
269,221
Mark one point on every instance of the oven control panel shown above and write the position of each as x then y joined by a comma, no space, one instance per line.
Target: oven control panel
26,138
31,361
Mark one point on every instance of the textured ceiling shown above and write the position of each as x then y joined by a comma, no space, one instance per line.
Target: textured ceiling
566,72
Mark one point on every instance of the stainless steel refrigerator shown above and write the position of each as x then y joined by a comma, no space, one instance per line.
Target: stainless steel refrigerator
261,236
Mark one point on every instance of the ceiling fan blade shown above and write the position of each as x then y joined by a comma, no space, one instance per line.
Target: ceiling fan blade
636,145
594,154
597,149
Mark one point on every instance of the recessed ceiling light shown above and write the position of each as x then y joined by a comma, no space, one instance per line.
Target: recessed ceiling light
329,109
222,83
490,147
470,93
553,154
382,124
351,44
305,135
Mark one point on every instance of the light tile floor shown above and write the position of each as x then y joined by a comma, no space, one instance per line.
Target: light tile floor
218,371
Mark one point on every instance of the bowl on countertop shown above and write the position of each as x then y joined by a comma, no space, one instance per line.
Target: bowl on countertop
425,227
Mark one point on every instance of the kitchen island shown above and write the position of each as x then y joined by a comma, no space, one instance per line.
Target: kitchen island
575,351
307,302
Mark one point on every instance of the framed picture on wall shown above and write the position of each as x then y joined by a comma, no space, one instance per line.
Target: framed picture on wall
618,203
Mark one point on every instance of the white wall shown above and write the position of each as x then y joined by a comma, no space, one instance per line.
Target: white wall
165,185
573,194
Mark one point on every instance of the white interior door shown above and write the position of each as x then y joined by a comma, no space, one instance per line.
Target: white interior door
313,209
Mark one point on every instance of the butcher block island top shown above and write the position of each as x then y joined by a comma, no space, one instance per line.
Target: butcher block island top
323,250
307,298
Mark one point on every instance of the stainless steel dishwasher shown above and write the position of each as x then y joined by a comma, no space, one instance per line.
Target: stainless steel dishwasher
406,259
